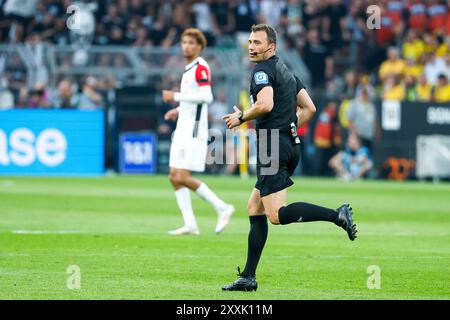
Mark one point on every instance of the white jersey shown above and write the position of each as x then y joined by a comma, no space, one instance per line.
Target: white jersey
190,139
193,116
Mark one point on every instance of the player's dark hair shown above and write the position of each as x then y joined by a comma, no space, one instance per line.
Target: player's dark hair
197,35
269,30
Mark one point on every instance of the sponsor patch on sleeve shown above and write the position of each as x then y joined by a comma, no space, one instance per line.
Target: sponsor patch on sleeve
261,77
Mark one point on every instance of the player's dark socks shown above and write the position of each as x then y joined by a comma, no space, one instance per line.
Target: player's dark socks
305,212
256,241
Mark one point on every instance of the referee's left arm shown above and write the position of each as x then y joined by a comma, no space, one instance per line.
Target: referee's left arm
305,107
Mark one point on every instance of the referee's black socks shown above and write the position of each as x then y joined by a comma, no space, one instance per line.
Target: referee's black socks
256,241
305,212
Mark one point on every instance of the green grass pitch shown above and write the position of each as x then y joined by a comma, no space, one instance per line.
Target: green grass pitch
115,230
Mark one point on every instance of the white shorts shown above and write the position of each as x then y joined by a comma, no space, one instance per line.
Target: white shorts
189,154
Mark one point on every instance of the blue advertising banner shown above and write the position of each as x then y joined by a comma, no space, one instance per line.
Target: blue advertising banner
51,142
138,152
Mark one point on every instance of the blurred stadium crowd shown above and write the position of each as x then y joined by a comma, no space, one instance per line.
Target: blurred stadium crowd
351,65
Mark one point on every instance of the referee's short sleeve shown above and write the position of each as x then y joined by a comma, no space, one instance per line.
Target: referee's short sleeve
300,84
263,76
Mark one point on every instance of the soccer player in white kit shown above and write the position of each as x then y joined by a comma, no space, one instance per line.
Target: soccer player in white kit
190,139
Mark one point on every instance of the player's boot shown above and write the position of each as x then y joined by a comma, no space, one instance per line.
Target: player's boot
184,231
242,284
224,217
345,220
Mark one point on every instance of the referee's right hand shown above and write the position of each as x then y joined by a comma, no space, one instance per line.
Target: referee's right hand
232,119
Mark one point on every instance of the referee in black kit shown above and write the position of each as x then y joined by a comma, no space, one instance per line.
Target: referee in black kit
280,103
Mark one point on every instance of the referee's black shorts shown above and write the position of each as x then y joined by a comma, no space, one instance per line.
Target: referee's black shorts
289,155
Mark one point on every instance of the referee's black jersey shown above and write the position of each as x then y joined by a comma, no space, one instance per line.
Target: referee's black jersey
285,84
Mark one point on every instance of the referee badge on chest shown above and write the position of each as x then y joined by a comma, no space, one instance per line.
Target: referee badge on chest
261,77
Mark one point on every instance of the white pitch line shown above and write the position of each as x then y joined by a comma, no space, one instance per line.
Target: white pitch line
46,231
7,183
377,257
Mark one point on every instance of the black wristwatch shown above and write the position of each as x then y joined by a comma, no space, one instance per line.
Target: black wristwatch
240,117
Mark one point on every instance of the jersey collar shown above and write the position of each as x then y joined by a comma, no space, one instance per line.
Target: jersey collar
190,65
271,58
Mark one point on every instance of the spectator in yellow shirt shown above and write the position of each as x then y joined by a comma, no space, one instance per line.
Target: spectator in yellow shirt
413,69
413,47
431,43
393,66
423,89
436,44
443,49
441,91
394,89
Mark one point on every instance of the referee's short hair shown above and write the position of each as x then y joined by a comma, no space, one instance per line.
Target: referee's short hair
269,30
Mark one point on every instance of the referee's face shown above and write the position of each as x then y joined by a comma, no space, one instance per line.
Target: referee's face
258,46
